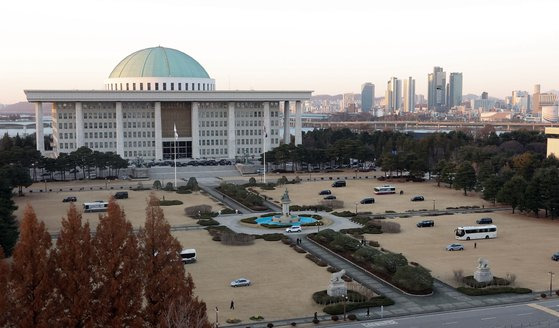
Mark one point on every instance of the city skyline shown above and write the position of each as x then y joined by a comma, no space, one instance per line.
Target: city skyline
251,45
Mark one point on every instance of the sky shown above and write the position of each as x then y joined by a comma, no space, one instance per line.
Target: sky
330,47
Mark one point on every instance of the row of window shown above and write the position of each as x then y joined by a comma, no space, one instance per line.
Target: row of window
95,125
249,141
99,115
211,124
221,151
213,142
248,150
65,116
139,153
248,123
187,86
133,125
139,134
66,135
97,144
139,144
96,135
213,133
65,126
66,145
138,115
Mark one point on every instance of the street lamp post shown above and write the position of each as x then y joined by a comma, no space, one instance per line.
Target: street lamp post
433,205
551,274
45,179
216,317
356,203
345,301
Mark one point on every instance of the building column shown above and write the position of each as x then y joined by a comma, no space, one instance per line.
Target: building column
39,135
267,126
298,124
158,132
79,125
286,133
119,130
195,131
232,147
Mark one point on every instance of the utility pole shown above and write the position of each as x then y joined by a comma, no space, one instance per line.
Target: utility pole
551,274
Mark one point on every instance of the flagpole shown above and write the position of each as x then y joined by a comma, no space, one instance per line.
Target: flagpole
176,138
265,137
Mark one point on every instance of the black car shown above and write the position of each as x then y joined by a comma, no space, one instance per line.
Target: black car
485,221
417,199
331,197
70,199
121,195
338,183
325,192
369,200
425,223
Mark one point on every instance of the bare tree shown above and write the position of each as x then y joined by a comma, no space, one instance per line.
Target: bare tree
186,312
458,276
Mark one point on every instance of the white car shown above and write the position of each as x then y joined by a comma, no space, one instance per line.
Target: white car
294,229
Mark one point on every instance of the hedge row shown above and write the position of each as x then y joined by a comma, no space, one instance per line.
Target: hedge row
492,291
337,309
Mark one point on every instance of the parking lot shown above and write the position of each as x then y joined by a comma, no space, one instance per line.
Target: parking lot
523,247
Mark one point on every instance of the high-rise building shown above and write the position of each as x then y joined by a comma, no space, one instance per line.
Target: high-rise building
454,90
367,97
436,96
520,101
484,95
393,95
409,95
348,101
542,99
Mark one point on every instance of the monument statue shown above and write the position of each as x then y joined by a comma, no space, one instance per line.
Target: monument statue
483,272
285,216
337,286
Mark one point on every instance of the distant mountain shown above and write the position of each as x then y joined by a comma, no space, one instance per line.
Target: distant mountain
326,97
24,108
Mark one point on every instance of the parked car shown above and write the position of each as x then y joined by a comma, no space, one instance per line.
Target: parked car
240,282
70,199
325,192
331,197
484,221
293,229
417,199
425,223
455,247
369,200
338,183
555,256
121,195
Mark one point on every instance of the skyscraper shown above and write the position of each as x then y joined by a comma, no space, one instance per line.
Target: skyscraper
348,101
367,97
409,95
436,96
455,90
393,95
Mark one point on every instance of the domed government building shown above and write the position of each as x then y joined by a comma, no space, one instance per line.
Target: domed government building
154,91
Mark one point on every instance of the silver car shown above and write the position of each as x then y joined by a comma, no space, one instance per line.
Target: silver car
455,247
240,282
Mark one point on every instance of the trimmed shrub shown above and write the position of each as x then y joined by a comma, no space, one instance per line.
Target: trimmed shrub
344,243
299,250
192,184
293,324
345,214
472,282
366,254
315,321
207,222
413,278
193,211
294,208
272,236
156,185
374,243
251,220
492,291
333,270
389,226
182,190
256,318
269,214
252,182
170,202
228,211
352,317
233,320
335,318
169,187
236,239
270,325
338,308
333,203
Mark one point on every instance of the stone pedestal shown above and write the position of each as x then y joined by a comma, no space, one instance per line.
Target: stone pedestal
483,272
337,286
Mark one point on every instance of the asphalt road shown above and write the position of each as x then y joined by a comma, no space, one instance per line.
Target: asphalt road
536,314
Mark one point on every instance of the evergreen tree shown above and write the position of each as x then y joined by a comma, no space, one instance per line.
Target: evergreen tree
30,278
491,187
5,306
465,178
8,224
117,271
512,192
73,274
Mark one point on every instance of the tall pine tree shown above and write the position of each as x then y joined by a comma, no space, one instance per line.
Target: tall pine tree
4,290
8,224
73,274
30,278
117,271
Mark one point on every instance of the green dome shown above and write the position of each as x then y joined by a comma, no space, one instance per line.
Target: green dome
159,62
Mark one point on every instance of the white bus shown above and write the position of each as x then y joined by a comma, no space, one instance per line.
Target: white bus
386,189
476,232
188,255
98,206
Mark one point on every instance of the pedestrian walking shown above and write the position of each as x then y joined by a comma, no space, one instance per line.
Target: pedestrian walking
475,245
232,307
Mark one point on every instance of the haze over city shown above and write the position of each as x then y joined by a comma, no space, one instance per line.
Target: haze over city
330,47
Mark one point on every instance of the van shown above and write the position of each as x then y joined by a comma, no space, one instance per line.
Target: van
188,255
121,195
369,200
485,221
338,183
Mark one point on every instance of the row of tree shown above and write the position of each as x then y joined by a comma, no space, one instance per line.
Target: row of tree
113,279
